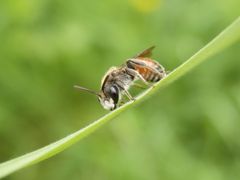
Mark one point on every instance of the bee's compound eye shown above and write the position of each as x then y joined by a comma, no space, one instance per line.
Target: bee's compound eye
114,93
113,90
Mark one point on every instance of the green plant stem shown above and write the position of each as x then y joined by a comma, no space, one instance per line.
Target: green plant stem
226,38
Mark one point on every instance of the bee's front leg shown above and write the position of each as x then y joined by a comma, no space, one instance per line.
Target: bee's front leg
128,95
125,91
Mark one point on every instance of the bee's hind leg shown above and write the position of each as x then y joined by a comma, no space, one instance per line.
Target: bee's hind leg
160,70
136,74
139,86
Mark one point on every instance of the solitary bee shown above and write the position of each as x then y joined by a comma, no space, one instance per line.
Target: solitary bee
118,80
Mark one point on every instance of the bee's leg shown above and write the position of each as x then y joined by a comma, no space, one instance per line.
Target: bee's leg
121,103
136,74
128,95
139,86
123,100
168,72
125,91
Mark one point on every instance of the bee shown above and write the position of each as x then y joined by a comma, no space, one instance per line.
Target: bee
118,80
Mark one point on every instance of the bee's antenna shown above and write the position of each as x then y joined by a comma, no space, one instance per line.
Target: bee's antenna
85,89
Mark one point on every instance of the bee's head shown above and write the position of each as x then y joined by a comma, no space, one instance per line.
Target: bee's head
109,98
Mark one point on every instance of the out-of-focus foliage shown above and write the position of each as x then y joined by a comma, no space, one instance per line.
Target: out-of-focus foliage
189,131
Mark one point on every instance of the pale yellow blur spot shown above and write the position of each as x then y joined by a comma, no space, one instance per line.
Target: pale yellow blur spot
145,6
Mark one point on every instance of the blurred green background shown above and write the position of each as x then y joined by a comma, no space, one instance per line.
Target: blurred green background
189,130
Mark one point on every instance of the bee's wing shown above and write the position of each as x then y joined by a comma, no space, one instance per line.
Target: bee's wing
146,53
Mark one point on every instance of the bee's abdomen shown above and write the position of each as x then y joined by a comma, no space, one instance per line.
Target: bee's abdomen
151,76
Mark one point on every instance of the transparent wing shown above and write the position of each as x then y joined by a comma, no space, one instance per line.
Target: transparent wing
146,53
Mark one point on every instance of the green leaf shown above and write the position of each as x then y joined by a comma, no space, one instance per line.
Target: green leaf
226,38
